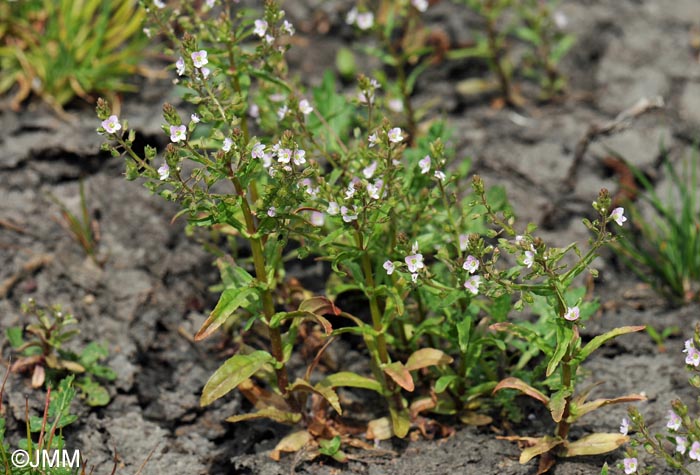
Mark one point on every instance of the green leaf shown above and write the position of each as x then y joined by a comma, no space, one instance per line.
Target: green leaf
265,76
325,392
561,48
444,382
351,380
590,406
229,302
400,422
95,395
427,357
596,342
233,372
595,444
14,336
345,62
93,353
464,329
279,317
564,335
529,35
270,412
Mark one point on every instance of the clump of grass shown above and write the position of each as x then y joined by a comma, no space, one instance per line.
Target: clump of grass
664,249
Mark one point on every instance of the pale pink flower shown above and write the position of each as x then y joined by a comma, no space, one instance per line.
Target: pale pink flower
163,172
471,264
630,465
260,28
333,208
395,135
199,58
424,164
111,125
389,267
618,216
180,66
472,284
178,133
414,262
673,422
572,314
304,107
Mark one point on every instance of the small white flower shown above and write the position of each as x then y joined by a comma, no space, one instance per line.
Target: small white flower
471,264
111,125
317,218
258,151
226,147
395,105
159,3
199,58
287,27
424,164
180,66
304,107
369,170
205,72
164,172
681,445
284,155
178,133
472,284
260,28
389,267
572,314
333,208
395,135
282,111
440,175
414,277
420,5
618,216
271,212
195,118
560,20
463,241
347,217
350,192
624,426
365,20
351,17
414,262
674,422
299,157
373,140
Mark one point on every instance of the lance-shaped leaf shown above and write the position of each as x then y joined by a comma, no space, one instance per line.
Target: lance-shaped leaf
270,412
278,318
319,306
233,372
401,376
523,387
293,442
325,392
596,342
584,409
595,444
427,357
564,336
540,445
351,380
230,301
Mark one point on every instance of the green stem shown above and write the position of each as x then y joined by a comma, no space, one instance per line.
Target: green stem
261,275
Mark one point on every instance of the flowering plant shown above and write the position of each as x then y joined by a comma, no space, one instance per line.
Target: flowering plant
286,172
679,446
